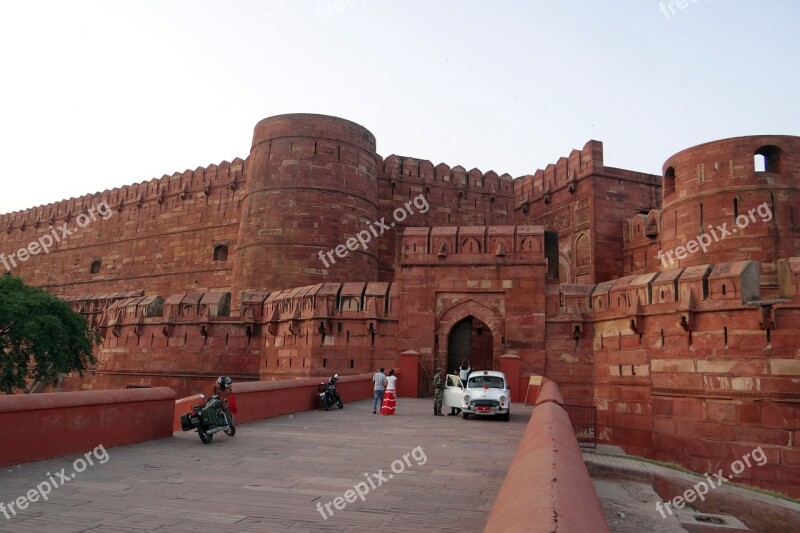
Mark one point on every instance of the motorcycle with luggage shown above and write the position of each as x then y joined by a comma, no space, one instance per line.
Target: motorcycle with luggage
328,394
213,414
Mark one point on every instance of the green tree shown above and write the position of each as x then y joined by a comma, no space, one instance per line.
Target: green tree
40,337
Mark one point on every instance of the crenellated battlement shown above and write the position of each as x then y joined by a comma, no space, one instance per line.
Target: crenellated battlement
642,228
354,300
398,168
205,180
701,286
566,170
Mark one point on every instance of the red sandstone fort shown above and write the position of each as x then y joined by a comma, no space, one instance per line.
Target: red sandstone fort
671,303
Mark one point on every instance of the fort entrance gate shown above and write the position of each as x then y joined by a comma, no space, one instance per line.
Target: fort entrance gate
470,340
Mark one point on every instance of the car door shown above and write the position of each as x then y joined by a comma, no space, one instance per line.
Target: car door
453,392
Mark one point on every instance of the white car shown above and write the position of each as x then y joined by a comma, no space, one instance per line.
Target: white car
487,394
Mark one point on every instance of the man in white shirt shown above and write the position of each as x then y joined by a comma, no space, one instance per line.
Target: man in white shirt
380,386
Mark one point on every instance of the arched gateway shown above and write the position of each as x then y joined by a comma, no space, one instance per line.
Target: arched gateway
470,340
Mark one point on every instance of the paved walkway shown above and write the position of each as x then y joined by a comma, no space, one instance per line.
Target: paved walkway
273,473
634,466
630,501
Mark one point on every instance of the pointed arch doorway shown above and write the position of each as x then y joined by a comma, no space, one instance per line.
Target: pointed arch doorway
470,340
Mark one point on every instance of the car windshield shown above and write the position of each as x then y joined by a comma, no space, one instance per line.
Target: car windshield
480,382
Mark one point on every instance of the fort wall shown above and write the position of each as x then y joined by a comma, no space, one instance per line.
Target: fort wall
455,196
691,367
216,271
158,236
586,203
186,340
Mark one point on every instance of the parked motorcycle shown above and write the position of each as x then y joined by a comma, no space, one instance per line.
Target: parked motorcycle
328,394
211,415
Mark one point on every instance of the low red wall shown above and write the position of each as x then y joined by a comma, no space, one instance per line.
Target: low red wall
549,392
547,487
256,400
42,426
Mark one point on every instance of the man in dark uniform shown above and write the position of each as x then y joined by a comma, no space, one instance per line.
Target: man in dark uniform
438,392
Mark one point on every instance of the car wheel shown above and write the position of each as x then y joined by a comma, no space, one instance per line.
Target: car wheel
506,416
465,415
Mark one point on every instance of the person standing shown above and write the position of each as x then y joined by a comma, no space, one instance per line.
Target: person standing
380,386
463,373
438,392
389,397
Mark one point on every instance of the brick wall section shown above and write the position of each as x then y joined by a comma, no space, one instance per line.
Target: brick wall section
704,391
159,237
186,340
641,243
570,360
586,203
456,197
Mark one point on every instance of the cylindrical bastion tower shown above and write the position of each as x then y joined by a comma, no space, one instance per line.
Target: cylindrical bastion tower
311,185
740,196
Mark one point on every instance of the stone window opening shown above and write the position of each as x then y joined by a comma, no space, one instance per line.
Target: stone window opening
669,182
767,159
220,252
95,266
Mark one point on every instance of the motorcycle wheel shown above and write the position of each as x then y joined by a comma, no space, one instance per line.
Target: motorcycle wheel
231,431
205,437
326,403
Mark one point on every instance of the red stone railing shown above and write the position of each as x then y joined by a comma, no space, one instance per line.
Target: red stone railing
41,426
256,400
547,487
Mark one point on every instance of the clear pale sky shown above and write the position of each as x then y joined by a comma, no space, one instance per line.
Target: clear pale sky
96,95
